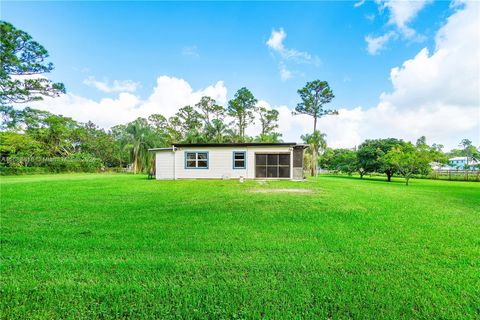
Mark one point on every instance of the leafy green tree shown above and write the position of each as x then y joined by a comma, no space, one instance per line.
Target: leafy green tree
369,156
438,155
210,110
429,154
344,160
100,144
58,135
325,160
315,96
213,115
241,108
161,128
189,122
10,118
469,151
407,159
22,62
217,132
269,122
268,119
272,137
18,145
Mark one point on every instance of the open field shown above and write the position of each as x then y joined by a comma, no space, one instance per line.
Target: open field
109,246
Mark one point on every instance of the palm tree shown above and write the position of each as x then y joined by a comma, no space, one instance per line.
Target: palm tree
216,131
139,137
316,141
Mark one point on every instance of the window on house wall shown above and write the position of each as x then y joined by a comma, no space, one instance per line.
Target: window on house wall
239,160
196,160
275,165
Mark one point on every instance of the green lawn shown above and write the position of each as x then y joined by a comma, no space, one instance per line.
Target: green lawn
116,246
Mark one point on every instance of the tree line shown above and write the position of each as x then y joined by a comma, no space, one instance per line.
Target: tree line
28,134
35,140
394,157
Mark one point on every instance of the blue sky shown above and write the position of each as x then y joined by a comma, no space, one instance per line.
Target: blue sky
203,43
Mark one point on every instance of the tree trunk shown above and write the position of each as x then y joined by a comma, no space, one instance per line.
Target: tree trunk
389,177
135,157
311,166
406,180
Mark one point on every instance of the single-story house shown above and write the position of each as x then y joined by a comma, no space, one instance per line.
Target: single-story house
229,161
462,162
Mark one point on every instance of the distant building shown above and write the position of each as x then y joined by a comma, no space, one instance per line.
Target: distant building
457,163
461,162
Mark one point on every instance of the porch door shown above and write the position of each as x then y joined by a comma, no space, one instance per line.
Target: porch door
272,165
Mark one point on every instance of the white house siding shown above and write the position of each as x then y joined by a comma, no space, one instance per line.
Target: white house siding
220,162
164,165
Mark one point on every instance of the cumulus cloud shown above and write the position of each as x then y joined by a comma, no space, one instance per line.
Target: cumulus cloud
115,86
400,15
275,43
403,12
434,94
172,93
376,44
168,96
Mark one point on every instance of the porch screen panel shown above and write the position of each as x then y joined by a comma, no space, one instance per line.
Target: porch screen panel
272,165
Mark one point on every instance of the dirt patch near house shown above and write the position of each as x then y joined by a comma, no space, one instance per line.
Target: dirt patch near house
282,191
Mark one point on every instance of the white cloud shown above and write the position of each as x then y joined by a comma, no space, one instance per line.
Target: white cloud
172,93
191,51
168,96
359,3
434,94
401,13
285,74
376,44
106,112
275,43
116,86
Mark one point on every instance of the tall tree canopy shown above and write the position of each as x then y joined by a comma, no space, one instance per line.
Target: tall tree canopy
241,108
210,110
22,64
269,122
315,95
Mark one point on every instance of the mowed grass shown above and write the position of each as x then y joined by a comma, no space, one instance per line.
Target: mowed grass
118,246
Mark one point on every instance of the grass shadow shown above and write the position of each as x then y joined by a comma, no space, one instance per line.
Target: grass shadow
365,178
